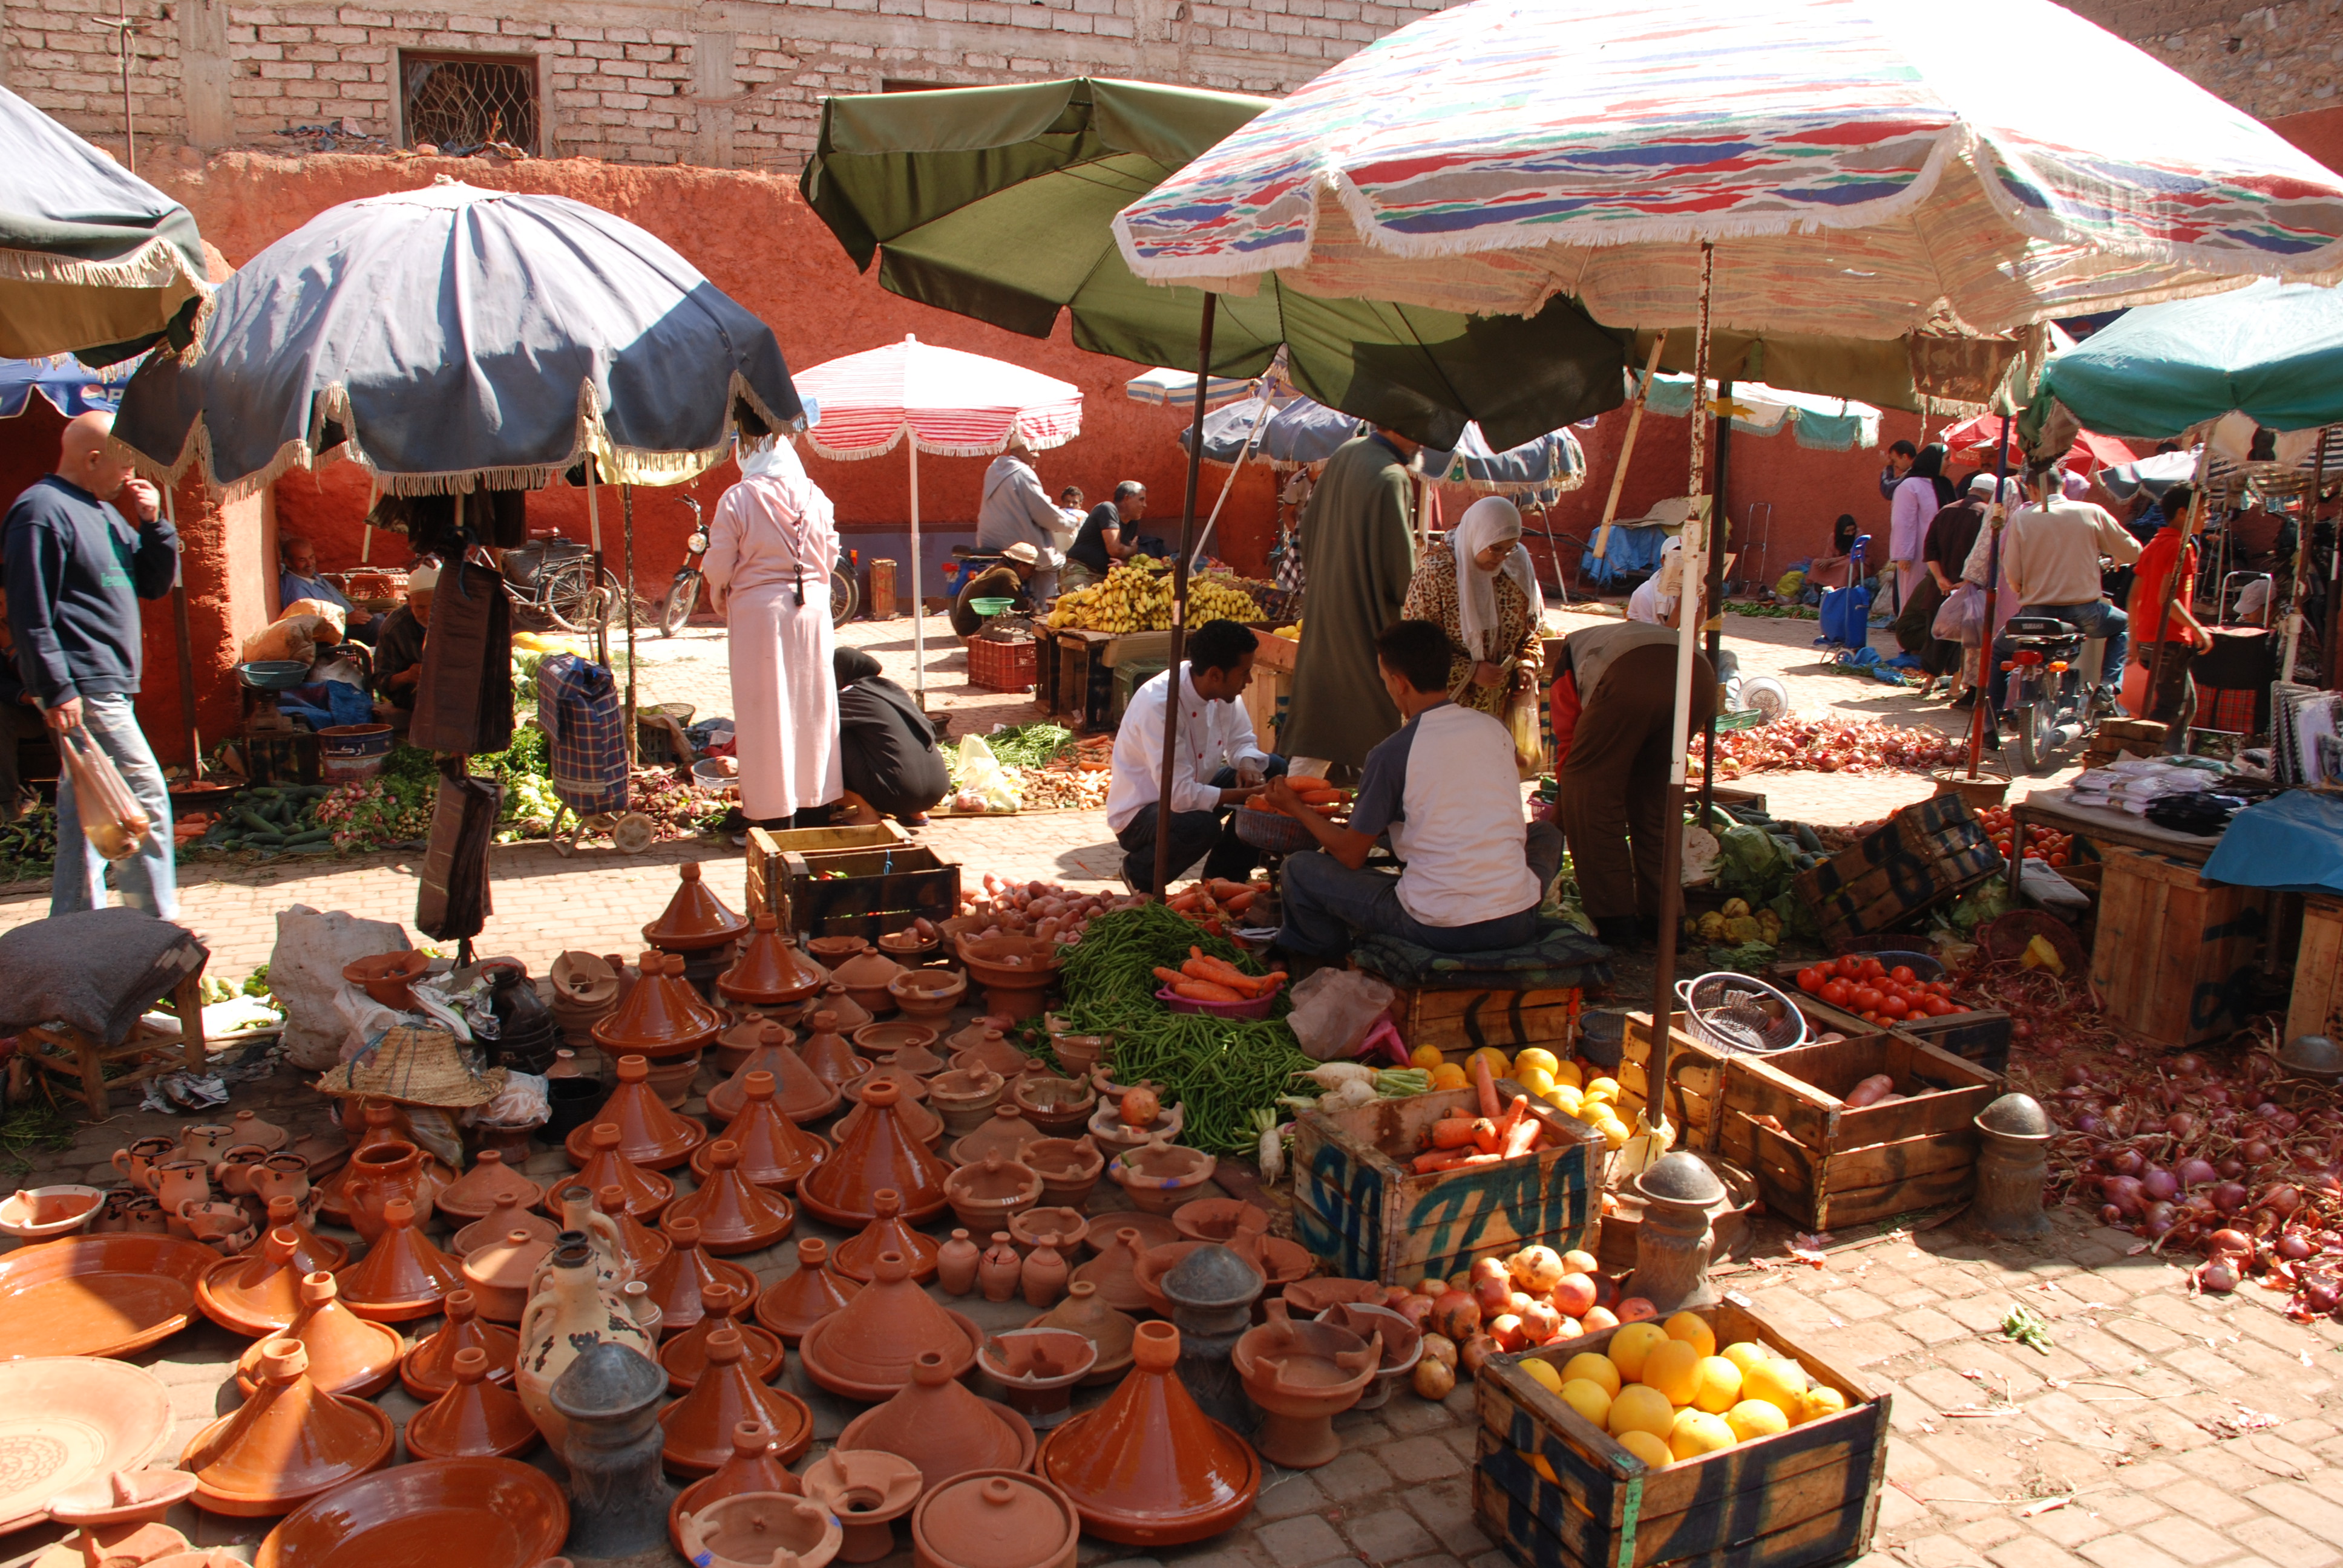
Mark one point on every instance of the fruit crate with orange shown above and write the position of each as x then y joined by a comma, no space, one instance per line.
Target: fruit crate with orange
1791,1485
1360,1204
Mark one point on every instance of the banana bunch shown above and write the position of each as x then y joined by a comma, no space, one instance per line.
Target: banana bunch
1136,596
1211,599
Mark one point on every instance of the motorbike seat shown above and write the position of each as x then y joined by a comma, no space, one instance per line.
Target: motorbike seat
2040,626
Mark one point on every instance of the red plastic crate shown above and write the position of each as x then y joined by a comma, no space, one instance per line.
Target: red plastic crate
1000,665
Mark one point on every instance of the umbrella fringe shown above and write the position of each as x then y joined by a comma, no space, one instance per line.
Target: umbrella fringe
934,450
153,264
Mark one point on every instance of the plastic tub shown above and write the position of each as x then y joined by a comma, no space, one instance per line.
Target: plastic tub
1257,1007
352,753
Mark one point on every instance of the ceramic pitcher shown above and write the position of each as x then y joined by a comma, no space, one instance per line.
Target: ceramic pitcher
601,1234
562,1321
137,1162
378,1174
178,1182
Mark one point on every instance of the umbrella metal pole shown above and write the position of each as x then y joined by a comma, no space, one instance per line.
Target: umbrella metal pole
1980,708
1179,605
919,604
185,640
2302,534
627,501
1627,444
1722,506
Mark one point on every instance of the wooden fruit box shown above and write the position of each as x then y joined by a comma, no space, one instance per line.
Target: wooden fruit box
1981,1034
1924,854
1832,1165
1358,1205
2175,956
767,846
1804,1497
1695,1080
2317,970
861,892
1460,1022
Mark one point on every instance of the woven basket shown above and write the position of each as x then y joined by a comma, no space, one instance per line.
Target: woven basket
1272,832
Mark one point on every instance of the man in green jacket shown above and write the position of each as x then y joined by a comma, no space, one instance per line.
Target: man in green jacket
1358,554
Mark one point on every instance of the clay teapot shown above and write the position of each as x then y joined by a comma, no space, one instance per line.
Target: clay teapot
695,919
770,972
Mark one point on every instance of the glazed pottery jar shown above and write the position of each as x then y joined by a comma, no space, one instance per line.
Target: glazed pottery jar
792,1305
233,1169
288,1443
685,1357
1147,1468
402,1275
650,1134
754,1467
770,972
1006,1506
735,1214
856,1257
477,1419
798,1092
695,919
939,1425
572,1313
347,1354
379,1173
606,1405
997,1270
867,1491
699,1426
475,1194
877,1152
1104,1327
956,1265
756,1529
607,1165
428,1370
775,1151
866,1349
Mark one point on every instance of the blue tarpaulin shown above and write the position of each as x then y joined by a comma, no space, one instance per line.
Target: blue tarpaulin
2289,843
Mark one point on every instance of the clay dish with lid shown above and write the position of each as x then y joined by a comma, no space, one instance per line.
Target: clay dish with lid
311,1251
500,1276
257,1294
828,1053
990,1046
699,1426
428,1370
735,1214
1148,1468
792,1305
475,1194
650,1134
1005,1132
919,1060
770,972
511,1217
918,1120
496,1512
685,1356
477,1419
348,1354
288,1443
849,1014
762,1529
856,1257
647,1194
1070,1168
927,996
1056,1107
909,1086
403,1275
996,1519
939,1425
775,1151
1161,1177
68,1420
120,1512
755,1466
877,1151
662,1018
1102,1326
985,1195
865,978
866,1349
802,1095
695,919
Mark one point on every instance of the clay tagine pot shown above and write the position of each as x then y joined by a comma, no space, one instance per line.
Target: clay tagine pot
919,1123
1005,1132
477,1419
985,1195
775,1151
402,1276
500,1276
735,1214
647,1194
964,1097
1303,1375
756,1529
856,1257
792,1305
1056,1107
1148,1468
1016,972
753,1467
939,1426
736,1041
695,919
475,1194
1083,1313
699,1426
662,1018
867,1490
678,1284
502,1222
635,1245
388,978
1070,1168
1162,1176
847,1014
866,1348
257,1294
685,1357
1037,1368
828,1054
288,1443
877,1152
770,972
865,978
985,1044
958,1524
428,1370
927,996
650,1134
1115,1270
348,1354
802,1095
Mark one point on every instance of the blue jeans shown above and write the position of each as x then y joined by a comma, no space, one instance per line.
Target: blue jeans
149,880
1211,834
1326,903
2097,618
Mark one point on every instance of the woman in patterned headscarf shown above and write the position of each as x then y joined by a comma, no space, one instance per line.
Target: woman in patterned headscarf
1483,591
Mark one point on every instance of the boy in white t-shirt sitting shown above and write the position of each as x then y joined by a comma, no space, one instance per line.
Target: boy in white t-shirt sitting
1445,791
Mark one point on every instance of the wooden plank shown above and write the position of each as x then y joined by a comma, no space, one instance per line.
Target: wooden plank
2317,970
2174,956
1841,1210
1465,1021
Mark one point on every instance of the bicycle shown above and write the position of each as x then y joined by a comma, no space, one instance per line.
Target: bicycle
556,578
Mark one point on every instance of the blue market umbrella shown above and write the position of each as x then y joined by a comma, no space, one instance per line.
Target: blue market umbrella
64,383
1297,431
1549,465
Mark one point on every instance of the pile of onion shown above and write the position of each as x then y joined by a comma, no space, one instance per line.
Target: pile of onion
1043,909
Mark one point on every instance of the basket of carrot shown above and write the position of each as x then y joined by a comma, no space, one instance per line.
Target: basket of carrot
1210,985
1271,830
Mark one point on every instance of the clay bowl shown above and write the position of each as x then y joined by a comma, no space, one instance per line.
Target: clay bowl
43,1213
1016,972
1222,1220
986,1197
1161,1177
909,948
1067,1225
1154,1230
65,1419
1069,1169
481,1513
1279,1261
878,1039
964,1097
389,977
1037,1369
831,951
1402,1345
104,1295
1058,1107
1078,1053
927,994
750,1527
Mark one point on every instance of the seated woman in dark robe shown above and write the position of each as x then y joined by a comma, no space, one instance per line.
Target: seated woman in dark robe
887,748
1831,570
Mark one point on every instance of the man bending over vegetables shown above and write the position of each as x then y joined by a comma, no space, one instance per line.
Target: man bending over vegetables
1220,766
1445,791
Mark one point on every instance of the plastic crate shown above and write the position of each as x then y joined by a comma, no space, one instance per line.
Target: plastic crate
1000,665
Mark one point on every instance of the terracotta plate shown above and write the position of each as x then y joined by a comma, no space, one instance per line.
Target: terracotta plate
65,1419
105,1295
480,1513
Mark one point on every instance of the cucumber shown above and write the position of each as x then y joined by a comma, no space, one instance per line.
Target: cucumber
1806,838
253,819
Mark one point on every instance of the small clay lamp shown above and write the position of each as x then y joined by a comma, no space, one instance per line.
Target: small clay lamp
662,1018
287,1443
255,1295
856,1257
2013,1163
402,1276
1673,1242
606,1165
943,1428
877,1151
679,1285
428,1370
475,1194
866,1349
867,1490
1037,1368
735,1214
699,1426
770,972
695,919
1210,1292
637,1246
502,1222
650,1134
1104,1327
865,977
775,1151
118,1518
1147,1467
685,1357
753,1467
800,1094
792,1305
348,1354
608,1399
1034,1521
477,1419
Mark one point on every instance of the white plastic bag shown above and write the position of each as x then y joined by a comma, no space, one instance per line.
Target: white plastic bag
305,976
1333,1009
1961,618
984,785
112,819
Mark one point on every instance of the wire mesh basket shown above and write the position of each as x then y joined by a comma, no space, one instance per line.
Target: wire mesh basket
1272,832
1738,1014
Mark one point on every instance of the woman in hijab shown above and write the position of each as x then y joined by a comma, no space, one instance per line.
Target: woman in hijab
1924,493
769,552
1483,591
886,748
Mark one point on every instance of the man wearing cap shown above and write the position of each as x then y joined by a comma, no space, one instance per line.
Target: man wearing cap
1007,580
398,657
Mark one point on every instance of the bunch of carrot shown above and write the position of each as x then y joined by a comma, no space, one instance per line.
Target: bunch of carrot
1495,1134
1207,979
1316,793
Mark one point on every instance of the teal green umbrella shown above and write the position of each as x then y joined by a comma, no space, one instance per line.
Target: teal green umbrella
2272,351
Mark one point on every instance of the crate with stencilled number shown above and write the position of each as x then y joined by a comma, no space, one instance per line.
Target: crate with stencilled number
1918,858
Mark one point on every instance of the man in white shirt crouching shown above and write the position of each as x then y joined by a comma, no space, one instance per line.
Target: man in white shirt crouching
1221,764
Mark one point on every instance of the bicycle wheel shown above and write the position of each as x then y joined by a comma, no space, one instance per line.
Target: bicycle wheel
570,597
845,596
676,610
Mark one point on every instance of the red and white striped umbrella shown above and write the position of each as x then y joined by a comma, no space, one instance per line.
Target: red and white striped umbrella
952,404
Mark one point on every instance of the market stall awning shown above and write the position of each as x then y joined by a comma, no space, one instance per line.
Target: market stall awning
64,383
1982,435
948,403
1822,423
1165,387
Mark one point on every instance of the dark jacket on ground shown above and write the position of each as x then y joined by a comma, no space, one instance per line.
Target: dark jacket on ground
76,570
887,748
400,649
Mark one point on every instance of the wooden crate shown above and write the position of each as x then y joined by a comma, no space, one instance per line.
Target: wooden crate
1697,1080
1274,652
1922,855
2317,970
1981,1034
2175,956
1822,1164
767,846
1462,1021
1080,683
1266,696
1358,1205
1806,1496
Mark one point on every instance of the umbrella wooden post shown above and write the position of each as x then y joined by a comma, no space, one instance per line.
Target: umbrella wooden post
185,640
1627,446
627,501
1722,506
2302,556
919,604
1179,604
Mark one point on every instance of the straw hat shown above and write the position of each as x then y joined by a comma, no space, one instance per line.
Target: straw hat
1023,554
415,1066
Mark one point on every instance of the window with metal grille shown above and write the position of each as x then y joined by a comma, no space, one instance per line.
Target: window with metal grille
461,103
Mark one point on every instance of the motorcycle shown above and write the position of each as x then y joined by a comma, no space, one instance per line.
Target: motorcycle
2053,698
683,594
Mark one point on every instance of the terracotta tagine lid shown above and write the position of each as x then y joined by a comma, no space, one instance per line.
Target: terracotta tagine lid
257,1294
1115,1270
1148,1467
650,1134
865,978
754,1467
827,1052
501,1276
1005,1132
348,1354
877,1151
836,1000
991,1047
637,1246
402,1275
735,1214
918,1121
477,1419
909,1086
685,1357
311,1251
774,1150
678,1284
770,972
802,1095
792,1305
695,919
475,1194
289,1441
866,1349
701,1425
661,1018
1109,1330
857,1256
995,1519
509,1215
428,1370
919,1061
647,1192
939,1426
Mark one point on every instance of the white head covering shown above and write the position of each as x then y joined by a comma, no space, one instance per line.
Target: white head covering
423,580
2075,488
1491,520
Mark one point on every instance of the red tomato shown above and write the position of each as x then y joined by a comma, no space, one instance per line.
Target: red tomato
1867,999
1895,1007
1849,967
1810,980
1957,1006
1872,969
1837,992
1938,1007
1901,974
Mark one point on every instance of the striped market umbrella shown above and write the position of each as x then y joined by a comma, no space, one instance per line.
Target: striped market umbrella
940,401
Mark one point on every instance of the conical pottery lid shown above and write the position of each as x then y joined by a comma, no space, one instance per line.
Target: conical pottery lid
346,1353
1091,1318
848,1015
995,1520
827,1052
661,1017
770,972
502,1220
1149,1458
402,1275
508,1264
650,1134
937,1424
428,1370
800,1094
686,1356
477,1419
291,1439
919,1060
990,1048
909,1086
701,1425
867,1349
695,919
601,1162
248,1128
258,1293
1115,1270
792,1304
775,1151
680,1280
877,1151
311,1251
1005,1132
922,1125
475,1194
866,970
857,1256
735,1214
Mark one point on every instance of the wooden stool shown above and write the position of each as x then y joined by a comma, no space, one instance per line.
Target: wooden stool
67,1052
